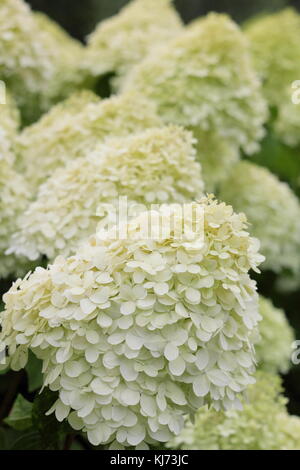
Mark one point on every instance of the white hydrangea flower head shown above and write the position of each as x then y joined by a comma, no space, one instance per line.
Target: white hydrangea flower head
262,424
273,211
14,196
75,127
135,333
276,52
122,41
38,61
155,166
205,78
9,125
273,349
40,146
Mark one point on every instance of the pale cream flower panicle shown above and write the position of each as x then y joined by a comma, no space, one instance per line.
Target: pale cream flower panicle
276,53
135,333
40,147
273,211
120,42
75,127
262,424
155,166
9,126
276,336
14,197
204,79
38,61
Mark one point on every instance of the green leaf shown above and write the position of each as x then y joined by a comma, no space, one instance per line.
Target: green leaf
51,432
34,373
20,415
27,441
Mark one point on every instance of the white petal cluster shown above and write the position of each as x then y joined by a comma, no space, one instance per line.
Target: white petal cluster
204,78
262,424
276,52
122,41
75,127
273,211
14,196
38,61
155,166
135,333
9,124
274,349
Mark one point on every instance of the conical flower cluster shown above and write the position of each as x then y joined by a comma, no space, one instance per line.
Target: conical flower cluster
134,333
276,53
75,127
121,42
38,60
204,79
273,211
155,166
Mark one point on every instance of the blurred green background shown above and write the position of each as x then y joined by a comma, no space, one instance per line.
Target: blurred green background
79,18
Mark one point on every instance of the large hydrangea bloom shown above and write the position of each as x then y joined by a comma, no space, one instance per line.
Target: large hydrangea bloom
276,52
276,337
136,332
14,195
122,41
204,79
38,60
273,211
262,424
155,166
9,124
75,127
